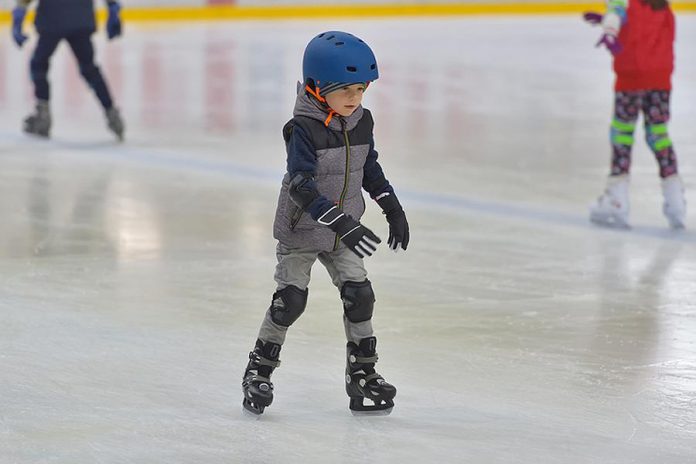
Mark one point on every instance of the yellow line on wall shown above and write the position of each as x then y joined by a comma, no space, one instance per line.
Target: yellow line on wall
226,13
350,11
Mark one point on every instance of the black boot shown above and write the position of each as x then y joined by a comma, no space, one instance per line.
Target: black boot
256,383
39,122
363,382
115,122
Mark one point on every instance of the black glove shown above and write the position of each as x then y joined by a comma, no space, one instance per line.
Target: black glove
398,225
361,240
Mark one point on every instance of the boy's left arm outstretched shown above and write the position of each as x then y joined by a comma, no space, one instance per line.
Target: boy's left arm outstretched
376,184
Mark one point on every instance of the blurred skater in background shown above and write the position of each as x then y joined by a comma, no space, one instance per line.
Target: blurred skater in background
640,36
73,21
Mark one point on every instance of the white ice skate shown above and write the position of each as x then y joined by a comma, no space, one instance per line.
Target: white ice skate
674,206
612,207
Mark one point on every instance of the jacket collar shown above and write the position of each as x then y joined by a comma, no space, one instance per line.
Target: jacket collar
308,106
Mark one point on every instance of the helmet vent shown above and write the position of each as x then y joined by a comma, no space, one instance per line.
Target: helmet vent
373,66
351,68
340,43
321,35
330,37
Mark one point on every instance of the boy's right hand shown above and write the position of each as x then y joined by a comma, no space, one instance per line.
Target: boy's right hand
18,14
358,238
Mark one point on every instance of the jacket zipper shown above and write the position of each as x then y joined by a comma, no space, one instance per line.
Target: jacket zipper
337,241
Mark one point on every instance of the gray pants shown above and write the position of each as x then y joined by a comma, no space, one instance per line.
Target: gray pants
295,268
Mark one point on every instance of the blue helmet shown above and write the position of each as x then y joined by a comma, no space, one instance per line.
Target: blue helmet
335,57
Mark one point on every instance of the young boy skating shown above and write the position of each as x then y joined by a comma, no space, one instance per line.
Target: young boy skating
330,159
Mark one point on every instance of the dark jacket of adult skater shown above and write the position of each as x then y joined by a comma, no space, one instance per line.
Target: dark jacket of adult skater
341,159
63,17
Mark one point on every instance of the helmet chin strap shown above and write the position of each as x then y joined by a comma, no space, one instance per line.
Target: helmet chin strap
328,118
315,94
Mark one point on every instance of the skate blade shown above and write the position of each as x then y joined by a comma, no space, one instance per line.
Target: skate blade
378,408
611,222
40,135
373,412
676,224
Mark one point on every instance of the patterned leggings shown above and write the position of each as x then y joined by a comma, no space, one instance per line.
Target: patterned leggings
655,107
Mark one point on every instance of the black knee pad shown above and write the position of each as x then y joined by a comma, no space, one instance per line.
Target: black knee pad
288,305
358,300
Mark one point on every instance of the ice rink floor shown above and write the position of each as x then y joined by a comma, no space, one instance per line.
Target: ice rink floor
133,277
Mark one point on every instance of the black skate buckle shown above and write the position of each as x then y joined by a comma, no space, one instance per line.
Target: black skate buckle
363,359
256,378
261,361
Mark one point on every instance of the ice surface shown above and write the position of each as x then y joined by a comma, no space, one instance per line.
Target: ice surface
133,277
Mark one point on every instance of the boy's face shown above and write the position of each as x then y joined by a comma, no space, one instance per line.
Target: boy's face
346,100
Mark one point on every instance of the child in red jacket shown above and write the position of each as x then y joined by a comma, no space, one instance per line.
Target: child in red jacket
640,36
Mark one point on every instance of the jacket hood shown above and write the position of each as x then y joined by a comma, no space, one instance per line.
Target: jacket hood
308,106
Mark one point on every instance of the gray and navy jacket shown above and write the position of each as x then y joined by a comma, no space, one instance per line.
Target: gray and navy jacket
63,17
341,159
